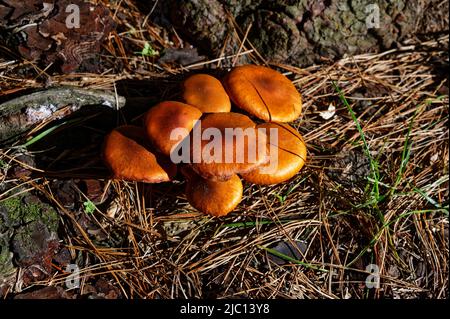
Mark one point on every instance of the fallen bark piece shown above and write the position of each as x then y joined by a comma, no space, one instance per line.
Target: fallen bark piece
21,114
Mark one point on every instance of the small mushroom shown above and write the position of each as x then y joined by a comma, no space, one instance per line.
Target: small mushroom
216,198
230,145
264,93
206,93
129,157
164,118
283,164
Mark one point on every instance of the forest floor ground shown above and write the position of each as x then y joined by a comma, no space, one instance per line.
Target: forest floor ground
371,200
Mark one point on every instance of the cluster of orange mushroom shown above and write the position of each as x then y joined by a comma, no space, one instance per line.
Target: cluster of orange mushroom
213,186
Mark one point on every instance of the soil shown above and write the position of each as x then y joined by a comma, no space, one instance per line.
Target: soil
58,206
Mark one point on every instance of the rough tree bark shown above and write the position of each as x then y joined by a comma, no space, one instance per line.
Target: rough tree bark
301,32
21,114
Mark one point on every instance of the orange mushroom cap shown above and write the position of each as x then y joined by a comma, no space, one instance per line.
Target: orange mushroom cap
264,93
206,93
242,147
129,157
162,119
216,198
291,156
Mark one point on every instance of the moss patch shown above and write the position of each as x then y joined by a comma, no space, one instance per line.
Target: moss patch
19,211
27,226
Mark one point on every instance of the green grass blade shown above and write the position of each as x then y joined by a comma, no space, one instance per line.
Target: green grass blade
290,259
355,119
378,234
43,134
429,199
406,153
53,128
374,171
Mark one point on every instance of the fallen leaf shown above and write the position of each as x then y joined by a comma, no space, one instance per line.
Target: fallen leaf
328,114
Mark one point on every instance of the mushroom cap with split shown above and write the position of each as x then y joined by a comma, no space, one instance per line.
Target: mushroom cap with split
216,198
206,93
130,157
162,119
240,147
287,162
264,93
